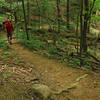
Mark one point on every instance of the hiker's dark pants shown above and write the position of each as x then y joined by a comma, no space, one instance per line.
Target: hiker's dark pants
9,35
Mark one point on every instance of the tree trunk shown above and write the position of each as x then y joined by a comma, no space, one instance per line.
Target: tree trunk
39,14
81,27
67,16
81,31
25,20
28,12
15,15
86,3
58,14
77,36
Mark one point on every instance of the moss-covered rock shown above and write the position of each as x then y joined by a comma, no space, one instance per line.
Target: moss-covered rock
40,92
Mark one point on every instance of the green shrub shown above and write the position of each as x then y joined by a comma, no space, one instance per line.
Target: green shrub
92,51
33,43
74,62
3,44
52,49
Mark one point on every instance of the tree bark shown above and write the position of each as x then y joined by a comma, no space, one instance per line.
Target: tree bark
28,12
58,14
67,16
25,20
86,19
81,26
77,36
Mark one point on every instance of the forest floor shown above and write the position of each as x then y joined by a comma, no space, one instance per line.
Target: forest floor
20,66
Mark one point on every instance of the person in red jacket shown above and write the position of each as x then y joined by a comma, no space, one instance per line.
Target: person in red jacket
9,30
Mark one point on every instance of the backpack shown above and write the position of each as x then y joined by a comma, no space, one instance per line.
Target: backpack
9,26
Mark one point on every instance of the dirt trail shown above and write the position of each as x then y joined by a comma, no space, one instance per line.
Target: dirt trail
57,75
52,73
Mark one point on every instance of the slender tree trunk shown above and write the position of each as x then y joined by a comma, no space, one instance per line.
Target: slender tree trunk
81,31
67,18
28,12
15,15
58,14
81,27
25,20
77,36
86,3
39,14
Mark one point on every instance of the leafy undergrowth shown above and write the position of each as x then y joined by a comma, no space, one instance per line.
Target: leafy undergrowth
3,44
9,61
58,47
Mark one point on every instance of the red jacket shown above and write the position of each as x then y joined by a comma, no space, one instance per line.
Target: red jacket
9,26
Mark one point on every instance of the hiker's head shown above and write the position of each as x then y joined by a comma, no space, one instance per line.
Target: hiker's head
8,19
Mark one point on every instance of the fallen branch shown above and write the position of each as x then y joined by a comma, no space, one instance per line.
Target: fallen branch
72,86
93,57
80,78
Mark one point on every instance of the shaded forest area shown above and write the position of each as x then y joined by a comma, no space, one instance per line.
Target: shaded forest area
55,51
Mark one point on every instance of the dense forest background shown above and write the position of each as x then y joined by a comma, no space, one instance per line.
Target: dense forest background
55,51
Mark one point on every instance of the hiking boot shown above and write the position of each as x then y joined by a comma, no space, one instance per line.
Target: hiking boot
10,43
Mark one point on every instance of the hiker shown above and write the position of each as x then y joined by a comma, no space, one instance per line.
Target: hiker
9,29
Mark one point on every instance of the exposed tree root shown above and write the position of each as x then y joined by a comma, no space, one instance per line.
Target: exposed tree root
94,58
43,91
72,86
